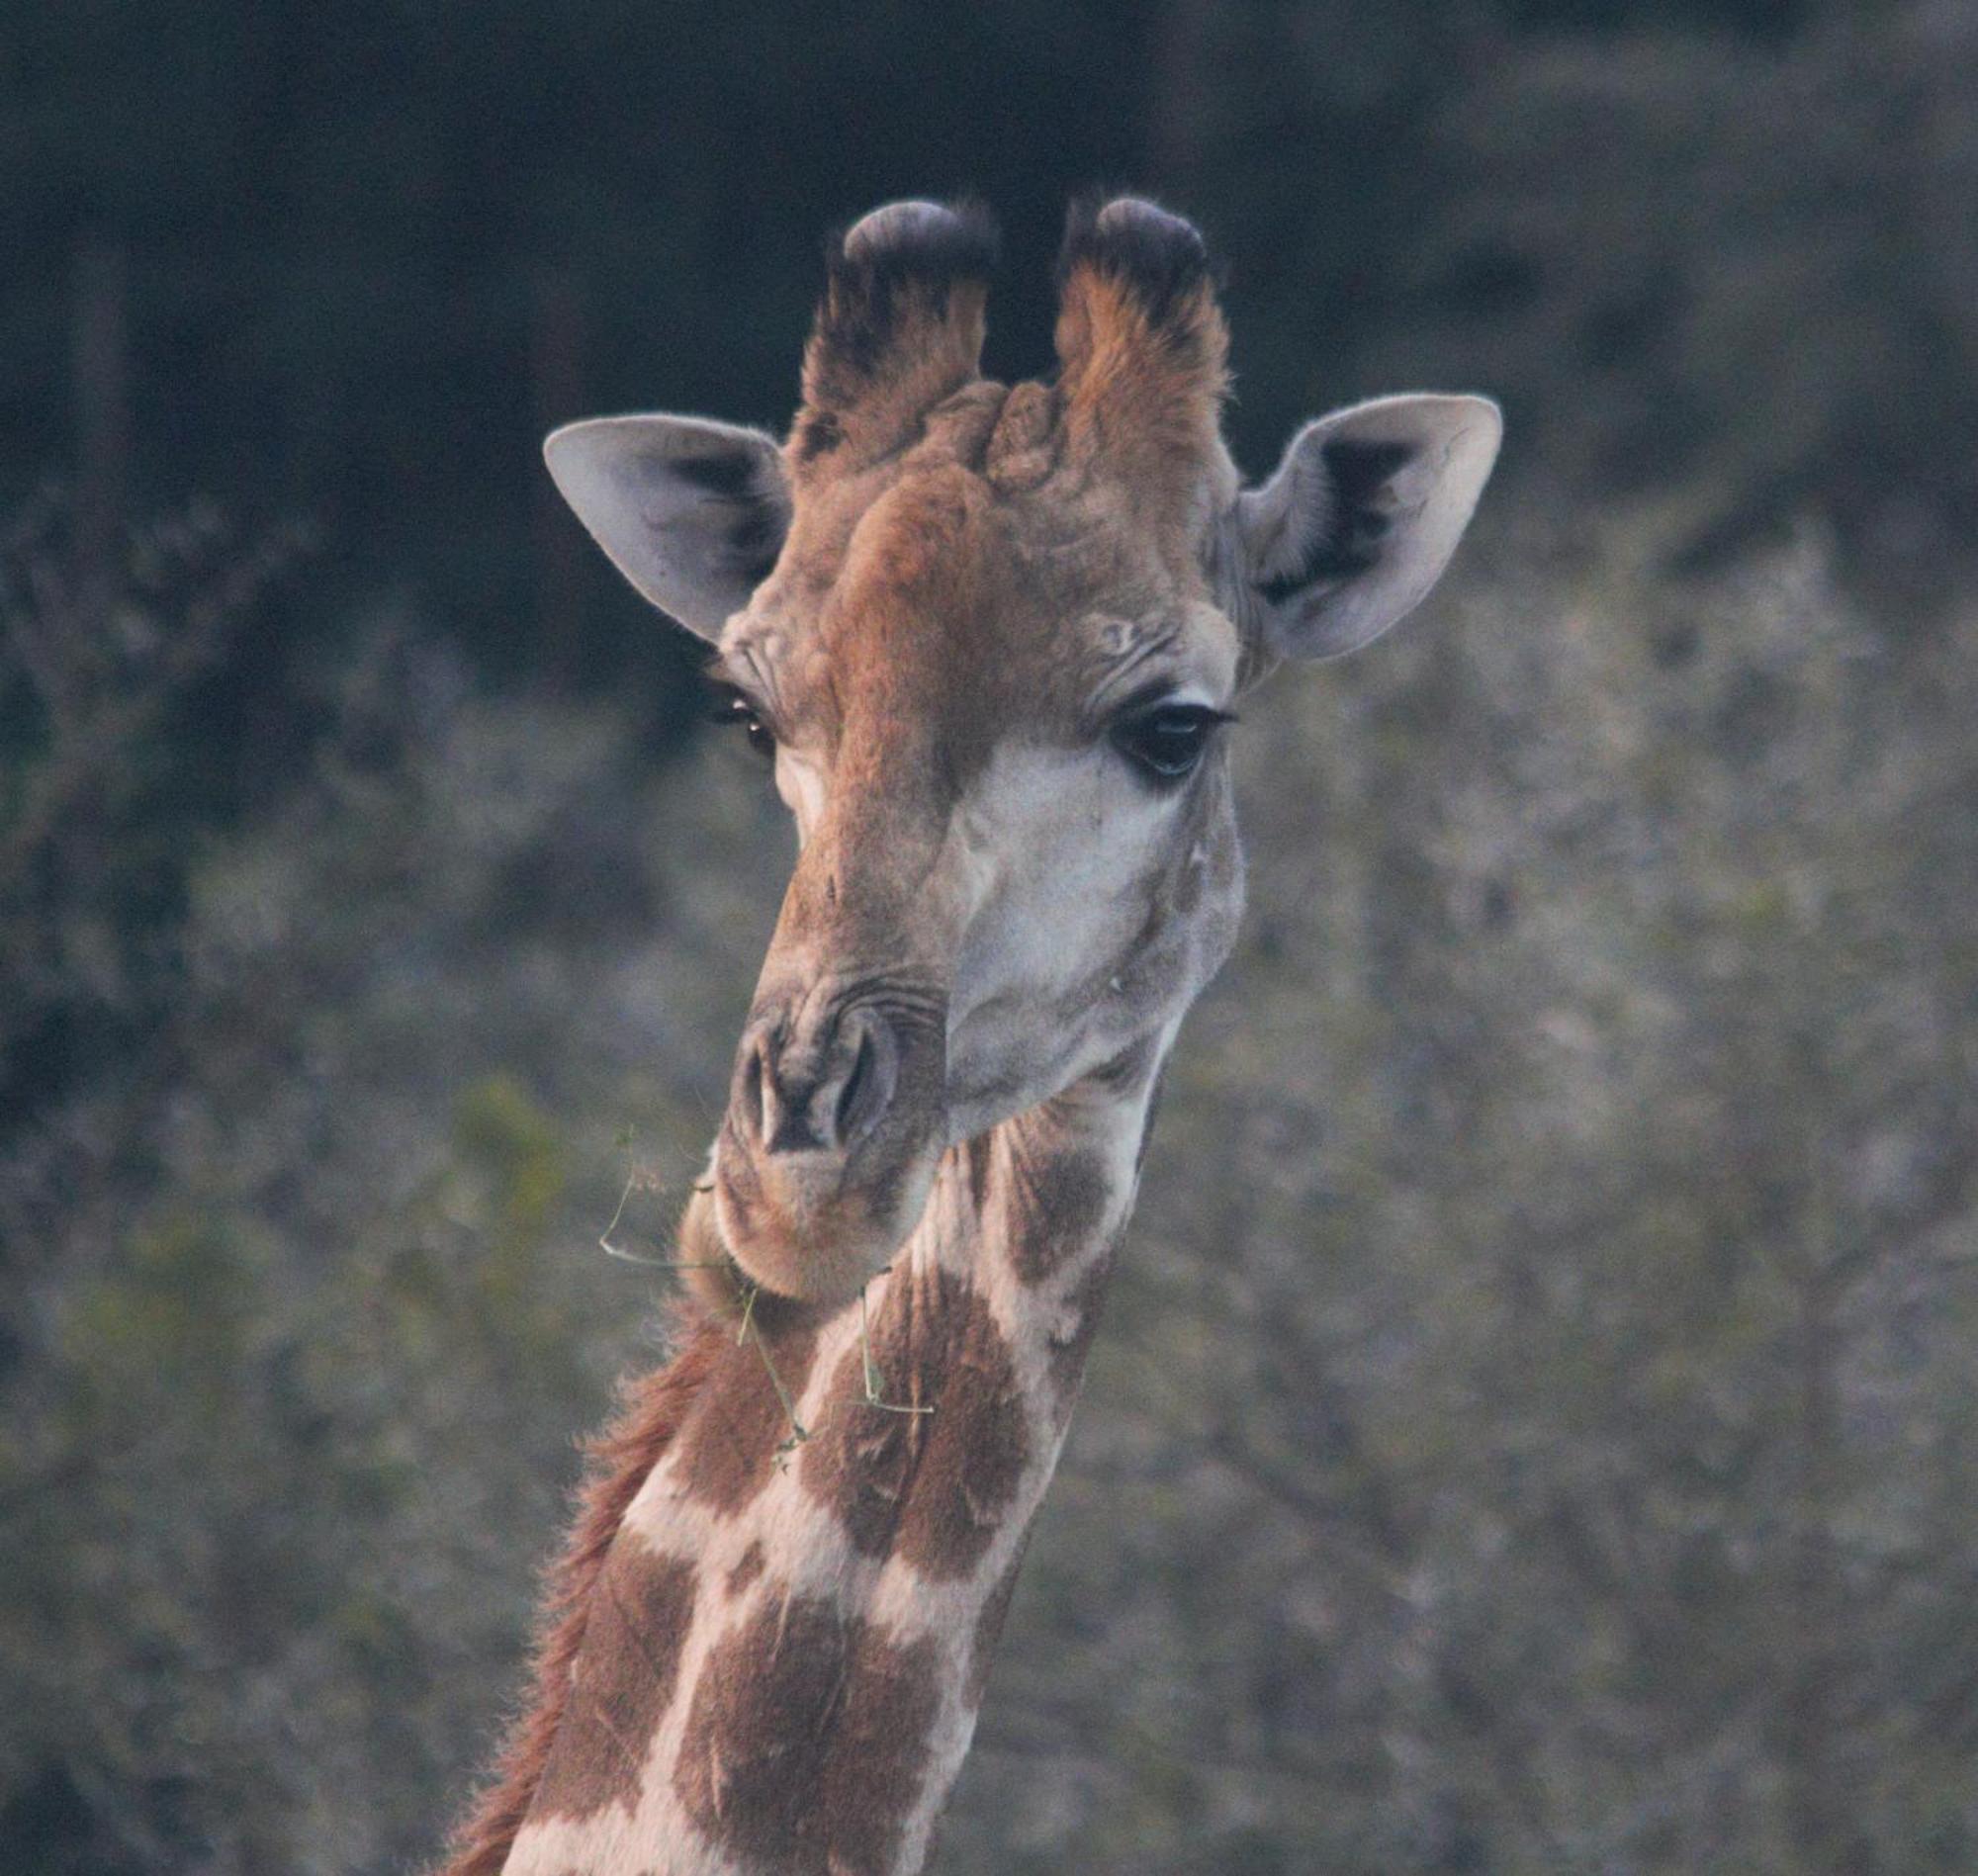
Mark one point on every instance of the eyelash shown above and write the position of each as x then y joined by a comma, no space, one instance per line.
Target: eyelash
1168,740
731,706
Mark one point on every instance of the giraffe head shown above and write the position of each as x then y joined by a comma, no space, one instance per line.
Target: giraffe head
991,639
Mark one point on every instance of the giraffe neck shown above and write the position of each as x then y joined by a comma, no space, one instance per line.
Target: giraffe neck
783,1652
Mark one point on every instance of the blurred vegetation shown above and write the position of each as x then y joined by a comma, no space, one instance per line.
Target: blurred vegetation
1535,1428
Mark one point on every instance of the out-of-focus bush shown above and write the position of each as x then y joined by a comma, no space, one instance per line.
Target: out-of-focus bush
1737,272
1535,1431
105,769
306,1305
1716,254
1534,1422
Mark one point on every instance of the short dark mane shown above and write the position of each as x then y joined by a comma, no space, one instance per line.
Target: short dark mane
620,1459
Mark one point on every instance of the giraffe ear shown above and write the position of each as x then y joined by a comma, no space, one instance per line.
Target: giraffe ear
692,513
1360,519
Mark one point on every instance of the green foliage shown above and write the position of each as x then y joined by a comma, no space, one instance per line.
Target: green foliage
1533,1427
1550,1313
510,1176
1602,213
308,1305
163,1332
1536,1426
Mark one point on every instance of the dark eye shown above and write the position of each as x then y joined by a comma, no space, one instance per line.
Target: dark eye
1169,740
732,707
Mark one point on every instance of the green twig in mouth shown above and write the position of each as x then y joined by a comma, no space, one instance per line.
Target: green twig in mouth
799,1433
748,1329
872,1376
633,1180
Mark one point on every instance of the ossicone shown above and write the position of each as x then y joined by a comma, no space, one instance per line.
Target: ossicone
899,326
1142,348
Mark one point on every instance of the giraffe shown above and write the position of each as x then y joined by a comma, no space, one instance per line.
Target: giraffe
988,639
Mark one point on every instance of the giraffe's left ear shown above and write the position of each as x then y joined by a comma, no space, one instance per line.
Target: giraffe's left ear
692,513
1360,519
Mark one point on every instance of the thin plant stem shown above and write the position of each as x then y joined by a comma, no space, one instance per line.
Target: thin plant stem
872,1376
625,1256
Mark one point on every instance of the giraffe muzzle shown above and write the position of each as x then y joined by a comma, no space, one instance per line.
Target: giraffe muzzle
818,1094
829,1145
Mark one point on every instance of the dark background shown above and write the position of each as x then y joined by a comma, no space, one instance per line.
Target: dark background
1537,1431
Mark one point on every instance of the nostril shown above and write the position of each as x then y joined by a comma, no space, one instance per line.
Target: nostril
815,1093
857,1088
754,1100
867,1090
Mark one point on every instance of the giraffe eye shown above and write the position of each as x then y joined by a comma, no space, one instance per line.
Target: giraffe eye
732,707
1168,740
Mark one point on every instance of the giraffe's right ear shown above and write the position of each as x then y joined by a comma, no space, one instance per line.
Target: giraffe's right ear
692,513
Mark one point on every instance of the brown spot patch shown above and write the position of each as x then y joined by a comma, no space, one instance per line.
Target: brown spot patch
1060,1214
928,1487
727,1447
1071,1340
621,1460
622,1683
807,1741
989,1628
747,1567
979,1156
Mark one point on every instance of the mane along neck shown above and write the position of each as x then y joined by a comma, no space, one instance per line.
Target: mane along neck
767,1641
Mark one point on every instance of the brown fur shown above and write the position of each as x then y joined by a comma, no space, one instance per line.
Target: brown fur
1068,1197
807,1741
640,1609
899,327
746,1568
933,1487
730,1439
1145,351
652,1409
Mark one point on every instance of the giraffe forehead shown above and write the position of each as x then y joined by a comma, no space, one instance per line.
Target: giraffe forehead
936,604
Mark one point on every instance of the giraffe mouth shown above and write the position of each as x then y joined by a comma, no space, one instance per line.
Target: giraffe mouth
817,1226
835,1123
